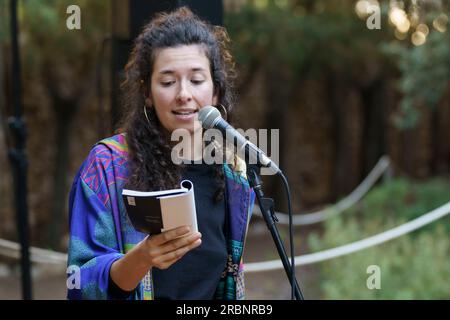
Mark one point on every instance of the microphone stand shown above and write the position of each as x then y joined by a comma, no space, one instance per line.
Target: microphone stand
267,210
19,161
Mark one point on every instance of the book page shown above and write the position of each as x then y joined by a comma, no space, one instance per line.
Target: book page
134,193
179,210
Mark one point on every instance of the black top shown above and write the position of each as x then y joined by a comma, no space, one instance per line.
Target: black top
196,275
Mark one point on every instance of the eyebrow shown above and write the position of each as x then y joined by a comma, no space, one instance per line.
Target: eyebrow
169,71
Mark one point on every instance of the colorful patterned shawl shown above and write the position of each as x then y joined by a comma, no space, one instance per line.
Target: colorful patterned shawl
101,233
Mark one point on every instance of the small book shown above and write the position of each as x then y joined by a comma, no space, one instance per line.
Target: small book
158,211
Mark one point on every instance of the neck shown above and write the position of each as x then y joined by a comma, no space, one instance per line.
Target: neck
192,148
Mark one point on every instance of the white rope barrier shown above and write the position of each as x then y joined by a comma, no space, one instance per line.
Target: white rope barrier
355,246
37,255
345,203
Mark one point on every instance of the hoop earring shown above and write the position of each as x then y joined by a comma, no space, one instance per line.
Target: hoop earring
145,113
224,109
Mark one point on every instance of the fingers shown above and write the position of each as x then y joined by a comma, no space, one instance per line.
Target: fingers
166,260
168,247
169,235
175,244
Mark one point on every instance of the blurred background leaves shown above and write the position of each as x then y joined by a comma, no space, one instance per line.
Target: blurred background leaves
341,94
414,266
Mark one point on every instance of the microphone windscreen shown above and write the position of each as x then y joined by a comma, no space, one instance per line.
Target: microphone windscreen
208,115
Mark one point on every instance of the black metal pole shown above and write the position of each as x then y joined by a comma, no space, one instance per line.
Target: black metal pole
18,158
266,205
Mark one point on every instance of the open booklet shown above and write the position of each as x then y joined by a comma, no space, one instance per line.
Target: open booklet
158,211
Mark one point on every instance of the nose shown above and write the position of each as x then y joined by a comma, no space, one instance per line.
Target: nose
184,94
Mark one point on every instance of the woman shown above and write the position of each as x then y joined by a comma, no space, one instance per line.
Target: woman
178,65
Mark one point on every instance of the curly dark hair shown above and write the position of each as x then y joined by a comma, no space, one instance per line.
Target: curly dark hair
151,167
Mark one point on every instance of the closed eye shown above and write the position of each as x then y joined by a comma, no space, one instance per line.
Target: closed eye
197,82
167,83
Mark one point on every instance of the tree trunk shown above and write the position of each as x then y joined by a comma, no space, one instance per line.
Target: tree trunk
441,132
7,226
345,105
64,122
374,125
278,89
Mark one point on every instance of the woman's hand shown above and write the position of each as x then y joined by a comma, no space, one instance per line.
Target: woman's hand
160,251
164,249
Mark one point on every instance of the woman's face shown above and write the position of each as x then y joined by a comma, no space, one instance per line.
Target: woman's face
181,85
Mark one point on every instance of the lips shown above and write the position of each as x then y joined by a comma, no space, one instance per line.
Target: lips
185,115
184,112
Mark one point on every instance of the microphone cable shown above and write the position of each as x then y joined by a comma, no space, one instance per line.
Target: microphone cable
291,238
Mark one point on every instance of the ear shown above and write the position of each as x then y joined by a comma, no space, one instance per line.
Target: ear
215,99
148,102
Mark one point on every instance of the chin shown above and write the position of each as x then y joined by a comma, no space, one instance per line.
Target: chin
192,127
188,128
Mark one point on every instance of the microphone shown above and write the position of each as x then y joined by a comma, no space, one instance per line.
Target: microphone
211,119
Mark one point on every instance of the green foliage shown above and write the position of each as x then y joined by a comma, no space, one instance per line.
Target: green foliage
4,21
48,42
288,38
414,266
298,39
425,74
402,199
